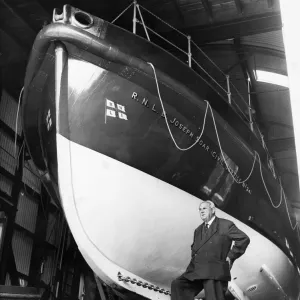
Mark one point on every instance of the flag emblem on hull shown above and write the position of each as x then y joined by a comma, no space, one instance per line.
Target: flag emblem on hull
114,110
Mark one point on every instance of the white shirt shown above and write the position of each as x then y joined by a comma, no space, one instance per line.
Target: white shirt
210,221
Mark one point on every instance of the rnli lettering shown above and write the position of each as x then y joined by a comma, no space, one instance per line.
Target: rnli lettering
134,95
176,123
184,129
233,173
202,144
145,102
153,108
172,121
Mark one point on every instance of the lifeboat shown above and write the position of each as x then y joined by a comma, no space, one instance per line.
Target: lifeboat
129,140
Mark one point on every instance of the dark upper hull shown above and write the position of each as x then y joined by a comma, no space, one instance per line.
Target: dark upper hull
143,140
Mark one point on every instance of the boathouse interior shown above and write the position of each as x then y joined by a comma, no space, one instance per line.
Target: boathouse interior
237,39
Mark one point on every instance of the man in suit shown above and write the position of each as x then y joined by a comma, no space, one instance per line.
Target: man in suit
212,257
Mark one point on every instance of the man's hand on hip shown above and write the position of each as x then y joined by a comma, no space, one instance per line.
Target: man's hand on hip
229,262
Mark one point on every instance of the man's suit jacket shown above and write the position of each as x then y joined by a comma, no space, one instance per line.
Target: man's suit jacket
210,250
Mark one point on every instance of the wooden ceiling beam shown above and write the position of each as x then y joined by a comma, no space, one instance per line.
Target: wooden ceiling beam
250,49
236,28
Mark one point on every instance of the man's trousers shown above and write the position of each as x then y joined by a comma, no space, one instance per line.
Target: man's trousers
184,289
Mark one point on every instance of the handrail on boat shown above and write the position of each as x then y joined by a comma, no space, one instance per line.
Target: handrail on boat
210,80
218,88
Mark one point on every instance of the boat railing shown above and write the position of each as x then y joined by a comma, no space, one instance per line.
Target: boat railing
223,85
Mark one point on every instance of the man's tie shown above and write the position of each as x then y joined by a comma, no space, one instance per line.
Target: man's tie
206,227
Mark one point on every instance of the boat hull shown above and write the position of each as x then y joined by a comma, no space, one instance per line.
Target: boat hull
125,221
110,149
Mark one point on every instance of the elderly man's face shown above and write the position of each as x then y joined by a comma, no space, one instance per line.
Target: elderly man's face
206,212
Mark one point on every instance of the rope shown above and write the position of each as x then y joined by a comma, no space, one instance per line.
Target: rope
20,150
256,154
288,213
204,122
218,139
165,114
263,180
16,127
184,52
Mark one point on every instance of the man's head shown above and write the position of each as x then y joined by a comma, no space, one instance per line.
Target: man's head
207,210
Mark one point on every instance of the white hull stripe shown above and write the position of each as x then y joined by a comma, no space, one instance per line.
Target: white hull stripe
124,220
